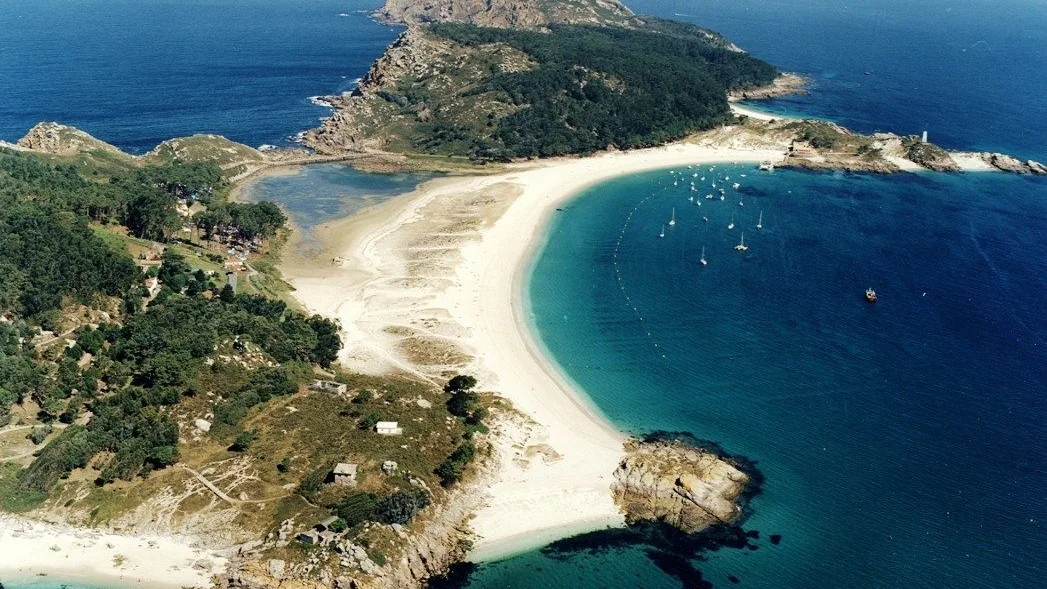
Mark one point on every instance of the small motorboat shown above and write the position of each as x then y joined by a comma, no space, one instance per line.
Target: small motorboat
870,295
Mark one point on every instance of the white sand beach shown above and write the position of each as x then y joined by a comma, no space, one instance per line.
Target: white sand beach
759,115
443,267
32,549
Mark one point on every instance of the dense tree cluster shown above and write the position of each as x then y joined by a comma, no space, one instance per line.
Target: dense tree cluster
153,360
149,358
463,403
595,87
47,255
244,221
143,199
400,507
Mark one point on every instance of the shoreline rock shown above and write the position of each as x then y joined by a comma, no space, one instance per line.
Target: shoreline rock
677,484
787,84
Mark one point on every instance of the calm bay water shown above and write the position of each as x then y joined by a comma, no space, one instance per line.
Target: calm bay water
313,195
902,442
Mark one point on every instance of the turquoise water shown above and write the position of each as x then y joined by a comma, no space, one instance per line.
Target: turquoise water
902,442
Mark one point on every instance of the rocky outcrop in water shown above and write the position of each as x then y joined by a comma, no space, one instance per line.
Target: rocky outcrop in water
505,13
786,84
1006,163
683,486
1036,168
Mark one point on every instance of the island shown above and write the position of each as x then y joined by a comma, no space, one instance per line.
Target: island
182,405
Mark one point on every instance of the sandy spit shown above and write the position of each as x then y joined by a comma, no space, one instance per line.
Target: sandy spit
442,268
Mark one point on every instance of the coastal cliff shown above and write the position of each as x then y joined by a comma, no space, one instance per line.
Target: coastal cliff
686,487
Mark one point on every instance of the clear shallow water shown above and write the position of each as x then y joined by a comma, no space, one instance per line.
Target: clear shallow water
902,442
313,195
137,72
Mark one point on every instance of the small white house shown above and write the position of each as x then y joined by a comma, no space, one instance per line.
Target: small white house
329,386
388,428
344,474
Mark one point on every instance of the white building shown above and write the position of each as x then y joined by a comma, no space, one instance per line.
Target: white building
388,428
344,474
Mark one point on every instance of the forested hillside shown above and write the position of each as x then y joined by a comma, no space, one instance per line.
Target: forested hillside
136,380
595,87
134,352
498,94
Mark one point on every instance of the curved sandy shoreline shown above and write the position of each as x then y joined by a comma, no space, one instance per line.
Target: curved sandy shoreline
450,260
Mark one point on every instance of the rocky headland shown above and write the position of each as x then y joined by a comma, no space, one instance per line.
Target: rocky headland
787,84
684,486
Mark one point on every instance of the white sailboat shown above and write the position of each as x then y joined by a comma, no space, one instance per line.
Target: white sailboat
731,224
702,259
672,221
759,223
741,245
662,234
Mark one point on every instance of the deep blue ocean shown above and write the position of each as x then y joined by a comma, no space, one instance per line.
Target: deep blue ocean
902,442
137,72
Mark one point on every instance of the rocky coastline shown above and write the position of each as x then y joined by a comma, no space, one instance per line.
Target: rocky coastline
787,84
684,486
430,552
